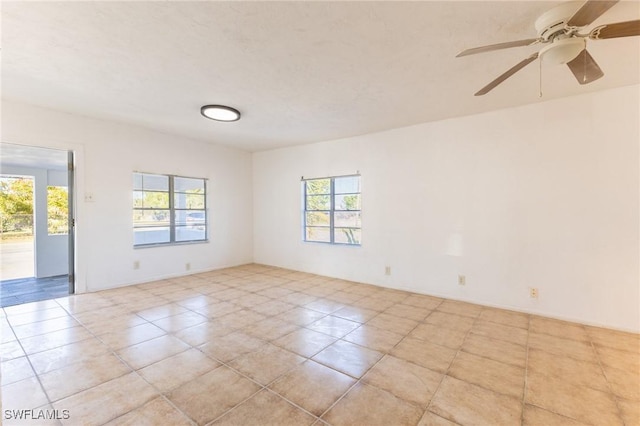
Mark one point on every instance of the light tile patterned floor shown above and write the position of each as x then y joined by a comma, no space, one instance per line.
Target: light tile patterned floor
256,345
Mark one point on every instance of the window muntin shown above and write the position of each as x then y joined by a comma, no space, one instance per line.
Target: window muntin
168,209
332,210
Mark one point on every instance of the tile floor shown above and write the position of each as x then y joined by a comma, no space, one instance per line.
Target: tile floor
256,345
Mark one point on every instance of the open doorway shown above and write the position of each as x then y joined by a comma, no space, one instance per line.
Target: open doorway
36,236
16,227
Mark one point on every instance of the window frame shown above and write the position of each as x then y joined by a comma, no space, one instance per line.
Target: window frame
332,210
172,210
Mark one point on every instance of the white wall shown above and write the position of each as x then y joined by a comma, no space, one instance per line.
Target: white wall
543,196
106,155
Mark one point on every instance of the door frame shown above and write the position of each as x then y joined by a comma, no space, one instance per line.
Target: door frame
71,219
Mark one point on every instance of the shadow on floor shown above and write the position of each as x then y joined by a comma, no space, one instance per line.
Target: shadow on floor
25,290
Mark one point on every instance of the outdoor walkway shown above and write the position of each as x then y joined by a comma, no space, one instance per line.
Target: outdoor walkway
17,282
16,259
25,290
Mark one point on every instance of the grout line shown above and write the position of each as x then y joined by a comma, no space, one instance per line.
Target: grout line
611,392
37,376
435,392
526,371
359,380
226,364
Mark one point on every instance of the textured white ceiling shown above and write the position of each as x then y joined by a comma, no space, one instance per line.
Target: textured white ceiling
300,72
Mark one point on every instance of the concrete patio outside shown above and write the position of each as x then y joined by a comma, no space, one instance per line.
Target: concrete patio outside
17,259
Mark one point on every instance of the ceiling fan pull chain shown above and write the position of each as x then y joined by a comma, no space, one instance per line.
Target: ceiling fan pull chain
584,76
540,87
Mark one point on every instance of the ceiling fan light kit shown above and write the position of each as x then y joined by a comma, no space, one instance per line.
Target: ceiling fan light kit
559,29
562,51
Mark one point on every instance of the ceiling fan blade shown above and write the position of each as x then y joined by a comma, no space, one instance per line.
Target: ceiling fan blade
498,46
619,29
486,89
585,68
589,12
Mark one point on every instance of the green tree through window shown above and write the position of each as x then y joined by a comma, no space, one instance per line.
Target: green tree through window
16,204
57,210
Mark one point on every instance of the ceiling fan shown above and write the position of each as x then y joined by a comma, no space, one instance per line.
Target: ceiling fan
559,29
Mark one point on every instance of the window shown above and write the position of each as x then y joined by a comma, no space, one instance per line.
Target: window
332,210
168,209
57,210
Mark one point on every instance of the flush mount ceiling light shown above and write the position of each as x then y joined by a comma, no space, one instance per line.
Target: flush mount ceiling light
220,113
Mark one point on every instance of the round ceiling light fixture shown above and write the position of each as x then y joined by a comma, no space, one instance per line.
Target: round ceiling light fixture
220,113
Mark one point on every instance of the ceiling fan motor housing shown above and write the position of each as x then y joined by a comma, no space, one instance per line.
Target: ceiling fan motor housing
553,23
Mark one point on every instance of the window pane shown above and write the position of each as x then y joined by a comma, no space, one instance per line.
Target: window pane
190,233
142,181
137,181
347,184
347,219
318,186
193,218
348,236
318,219
348,202
149,218
154,235
188,201
155,200
57,210
137,199
195,186
318,202
150,200
318,234
155,182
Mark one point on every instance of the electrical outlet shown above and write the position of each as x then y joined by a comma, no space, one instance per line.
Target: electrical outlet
387,270
533,292
187,266
136,264
462,280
